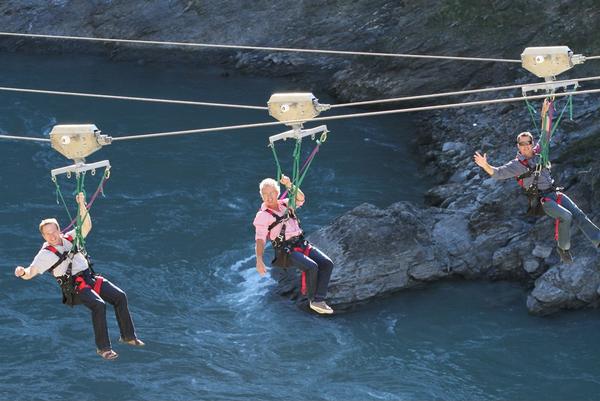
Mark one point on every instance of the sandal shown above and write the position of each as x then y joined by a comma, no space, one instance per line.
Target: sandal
136,342
107,354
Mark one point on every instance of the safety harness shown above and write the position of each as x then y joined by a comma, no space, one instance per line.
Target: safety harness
534,196
283,248
537,199
69,284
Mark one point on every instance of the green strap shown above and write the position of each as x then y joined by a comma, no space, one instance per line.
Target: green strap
272,146
79,240
295,173
545,142
59,194
532,113
570,100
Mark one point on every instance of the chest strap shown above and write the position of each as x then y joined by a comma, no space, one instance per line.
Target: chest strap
289,214
61,256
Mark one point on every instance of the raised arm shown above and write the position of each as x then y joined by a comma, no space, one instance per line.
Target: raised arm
286,182
86,218
481,161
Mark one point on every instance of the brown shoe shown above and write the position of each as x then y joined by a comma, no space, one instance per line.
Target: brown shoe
136,342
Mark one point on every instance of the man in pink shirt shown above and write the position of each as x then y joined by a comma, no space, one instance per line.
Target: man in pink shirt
277,222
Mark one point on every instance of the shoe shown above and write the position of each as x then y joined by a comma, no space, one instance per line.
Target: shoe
565,255
107,354
136,342
320,307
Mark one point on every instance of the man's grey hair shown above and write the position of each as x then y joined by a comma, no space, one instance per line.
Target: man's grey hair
268,182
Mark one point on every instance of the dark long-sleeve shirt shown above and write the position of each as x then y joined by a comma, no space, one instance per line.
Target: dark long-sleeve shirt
516,167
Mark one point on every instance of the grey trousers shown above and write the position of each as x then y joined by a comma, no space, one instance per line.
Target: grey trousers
567,212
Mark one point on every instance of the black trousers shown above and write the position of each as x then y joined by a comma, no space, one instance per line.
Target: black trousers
97,304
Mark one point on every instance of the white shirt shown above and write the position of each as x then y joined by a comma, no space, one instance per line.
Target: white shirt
45,259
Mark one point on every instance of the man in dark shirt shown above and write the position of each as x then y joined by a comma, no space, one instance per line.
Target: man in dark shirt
537,181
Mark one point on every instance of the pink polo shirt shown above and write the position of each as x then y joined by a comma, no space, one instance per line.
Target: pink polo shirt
264,219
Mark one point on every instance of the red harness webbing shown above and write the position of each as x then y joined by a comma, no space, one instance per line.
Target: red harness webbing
556,221
525,164
306,252
82,285
98,284
54,250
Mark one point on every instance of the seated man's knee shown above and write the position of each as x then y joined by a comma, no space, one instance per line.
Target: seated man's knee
326,264
566,217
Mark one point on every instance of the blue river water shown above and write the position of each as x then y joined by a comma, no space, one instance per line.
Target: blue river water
174,231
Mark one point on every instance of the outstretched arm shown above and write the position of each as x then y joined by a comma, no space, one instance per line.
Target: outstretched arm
24,272
481,161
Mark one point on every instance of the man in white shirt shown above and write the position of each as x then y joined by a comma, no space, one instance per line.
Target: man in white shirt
78,283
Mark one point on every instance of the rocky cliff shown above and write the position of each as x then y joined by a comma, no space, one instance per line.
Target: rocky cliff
471,227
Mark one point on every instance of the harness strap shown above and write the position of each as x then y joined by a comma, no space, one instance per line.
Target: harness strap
98,284
81,284
306,252
61,256
557,221
528,173
289,214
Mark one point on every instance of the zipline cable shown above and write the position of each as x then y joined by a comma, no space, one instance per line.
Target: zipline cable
24,138
133,98
229,105
262,48
354,115
338,117
444,94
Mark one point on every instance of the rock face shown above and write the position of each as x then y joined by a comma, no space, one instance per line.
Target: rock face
471,225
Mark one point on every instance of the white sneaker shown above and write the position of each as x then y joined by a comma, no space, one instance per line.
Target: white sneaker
321,307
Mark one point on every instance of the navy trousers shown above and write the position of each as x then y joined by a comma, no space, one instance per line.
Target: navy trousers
318,269
97,305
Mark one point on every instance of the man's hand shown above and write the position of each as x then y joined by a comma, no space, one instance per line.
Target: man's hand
80,199
20,271
482,162
260,267
285,181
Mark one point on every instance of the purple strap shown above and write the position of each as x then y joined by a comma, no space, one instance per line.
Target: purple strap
88,206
